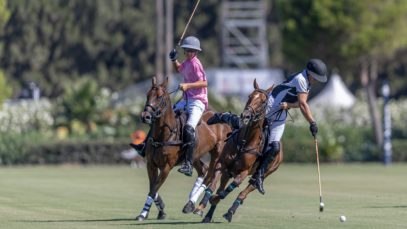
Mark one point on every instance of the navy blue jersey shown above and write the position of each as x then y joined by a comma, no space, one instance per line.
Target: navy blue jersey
289,89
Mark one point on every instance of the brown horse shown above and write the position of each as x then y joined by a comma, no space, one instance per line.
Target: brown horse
239,156
163,148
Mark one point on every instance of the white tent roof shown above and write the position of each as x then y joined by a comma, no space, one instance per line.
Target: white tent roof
335,94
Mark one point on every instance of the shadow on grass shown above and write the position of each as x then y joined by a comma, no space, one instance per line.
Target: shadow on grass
153,222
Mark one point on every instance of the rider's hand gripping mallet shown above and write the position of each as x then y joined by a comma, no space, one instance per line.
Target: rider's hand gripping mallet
321,204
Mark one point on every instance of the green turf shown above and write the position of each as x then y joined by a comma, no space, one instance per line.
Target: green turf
370,196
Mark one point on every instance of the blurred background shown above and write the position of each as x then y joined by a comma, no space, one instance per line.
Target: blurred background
74,73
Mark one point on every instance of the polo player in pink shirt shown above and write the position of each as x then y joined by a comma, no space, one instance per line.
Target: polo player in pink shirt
195,95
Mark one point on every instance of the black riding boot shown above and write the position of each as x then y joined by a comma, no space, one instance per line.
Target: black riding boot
141,148
228,118
268,157
188,147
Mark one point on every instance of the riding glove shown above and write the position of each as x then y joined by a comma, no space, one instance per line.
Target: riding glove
313,128
173,55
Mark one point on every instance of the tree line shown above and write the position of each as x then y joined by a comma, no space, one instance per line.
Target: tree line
115,42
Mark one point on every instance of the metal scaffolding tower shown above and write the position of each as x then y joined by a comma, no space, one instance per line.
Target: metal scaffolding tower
244,40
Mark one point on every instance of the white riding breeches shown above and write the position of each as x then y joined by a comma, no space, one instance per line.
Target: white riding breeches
276,120
195,108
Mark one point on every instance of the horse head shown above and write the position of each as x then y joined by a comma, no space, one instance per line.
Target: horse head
157,101
255,108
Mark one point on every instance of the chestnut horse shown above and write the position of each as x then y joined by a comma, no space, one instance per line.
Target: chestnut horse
164,145
239,156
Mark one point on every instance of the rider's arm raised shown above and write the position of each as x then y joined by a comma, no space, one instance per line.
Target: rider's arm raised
305,110
176,64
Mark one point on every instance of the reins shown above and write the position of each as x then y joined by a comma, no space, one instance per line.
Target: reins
257,116
157,144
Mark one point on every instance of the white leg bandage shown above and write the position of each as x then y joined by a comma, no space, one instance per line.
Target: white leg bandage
198,193
198,183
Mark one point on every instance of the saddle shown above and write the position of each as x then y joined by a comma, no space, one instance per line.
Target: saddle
265,136
182,116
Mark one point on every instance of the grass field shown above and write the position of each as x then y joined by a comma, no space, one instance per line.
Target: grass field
370,196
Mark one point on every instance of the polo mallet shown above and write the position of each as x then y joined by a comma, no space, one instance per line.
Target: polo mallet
321,203
189,20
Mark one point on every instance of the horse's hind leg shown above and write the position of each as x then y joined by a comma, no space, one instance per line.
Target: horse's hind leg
197,189
250,188
209,190
239,200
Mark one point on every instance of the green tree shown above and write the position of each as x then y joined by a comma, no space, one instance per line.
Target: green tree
114,42
5,89
4,13
355,35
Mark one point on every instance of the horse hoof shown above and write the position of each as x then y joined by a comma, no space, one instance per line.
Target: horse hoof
198,212
206,220
161,215
189,207
140,218
228,216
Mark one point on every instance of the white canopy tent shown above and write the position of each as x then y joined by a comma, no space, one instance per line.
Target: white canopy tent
334,95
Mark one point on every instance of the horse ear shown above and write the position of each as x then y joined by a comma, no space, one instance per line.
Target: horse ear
270,88
154,81
255,85
165,83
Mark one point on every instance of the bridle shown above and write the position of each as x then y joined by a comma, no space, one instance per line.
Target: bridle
260,113
161,108
157,112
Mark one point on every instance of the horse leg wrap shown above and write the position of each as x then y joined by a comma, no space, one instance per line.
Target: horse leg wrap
198,192
207,196
235,205
226,192
196,186
147,206
159,203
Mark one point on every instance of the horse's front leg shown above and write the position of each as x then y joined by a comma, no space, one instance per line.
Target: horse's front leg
159,203
214,200
152,172
235,183
239,200
209,190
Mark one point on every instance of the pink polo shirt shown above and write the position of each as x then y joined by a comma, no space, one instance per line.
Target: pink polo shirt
192,71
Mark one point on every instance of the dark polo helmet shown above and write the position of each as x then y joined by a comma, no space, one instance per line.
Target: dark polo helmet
317,69
191,42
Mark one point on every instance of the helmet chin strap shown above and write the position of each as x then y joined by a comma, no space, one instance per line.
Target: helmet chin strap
310,78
